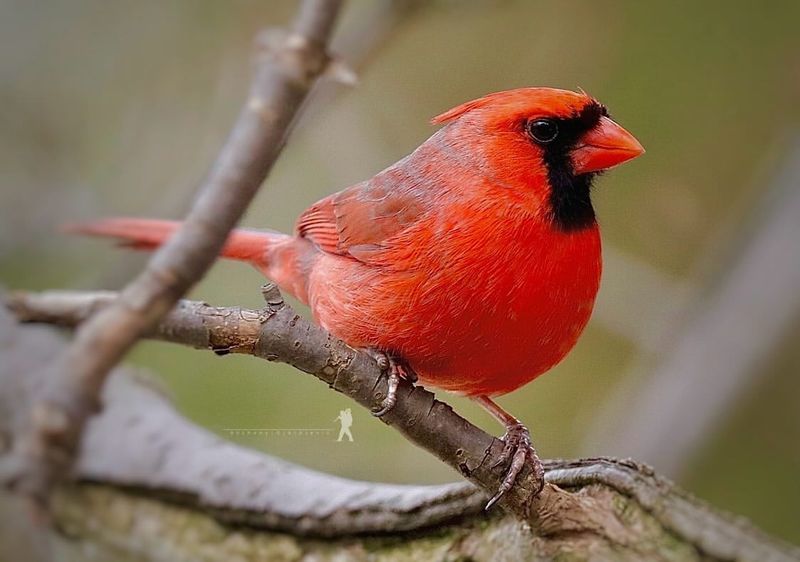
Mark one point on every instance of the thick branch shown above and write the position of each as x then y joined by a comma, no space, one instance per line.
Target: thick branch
277,333
284,76
205,498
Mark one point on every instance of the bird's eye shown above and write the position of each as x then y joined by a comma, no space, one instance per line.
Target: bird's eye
543,130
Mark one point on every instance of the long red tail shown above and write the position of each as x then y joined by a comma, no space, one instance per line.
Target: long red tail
273,253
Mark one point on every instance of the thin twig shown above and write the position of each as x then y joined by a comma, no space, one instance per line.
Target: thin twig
284,76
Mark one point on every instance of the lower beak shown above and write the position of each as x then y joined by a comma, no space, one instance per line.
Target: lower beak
605,146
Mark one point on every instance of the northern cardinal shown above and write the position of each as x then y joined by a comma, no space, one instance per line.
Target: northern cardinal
473,263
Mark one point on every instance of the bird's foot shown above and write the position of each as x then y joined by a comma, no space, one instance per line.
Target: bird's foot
517,450
397,369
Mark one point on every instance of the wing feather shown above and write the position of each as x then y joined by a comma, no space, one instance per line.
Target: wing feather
358,221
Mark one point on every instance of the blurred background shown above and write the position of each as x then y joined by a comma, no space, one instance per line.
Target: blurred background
692,358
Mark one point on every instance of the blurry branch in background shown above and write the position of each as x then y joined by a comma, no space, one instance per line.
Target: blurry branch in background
285,73
142,461
719,349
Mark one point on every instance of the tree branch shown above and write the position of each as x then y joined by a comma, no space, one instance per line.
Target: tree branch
284,76
277,333
203,497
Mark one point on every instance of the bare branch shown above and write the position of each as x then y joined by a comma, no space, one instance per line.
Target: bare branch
284,76
141,459
277,333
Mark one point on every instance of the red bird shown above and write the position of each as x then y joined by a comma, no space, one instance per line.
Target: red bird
473,263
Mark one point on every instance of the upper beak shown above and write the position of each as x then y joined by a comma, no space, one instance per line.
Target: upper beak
603,147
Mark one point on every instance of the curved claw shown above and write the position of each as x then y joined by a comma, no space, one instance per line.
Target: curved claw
397,369
518,449
383,361
391,395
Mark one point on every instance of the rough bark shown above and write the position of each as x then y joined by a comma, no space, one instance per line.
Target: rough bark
152,486
277,333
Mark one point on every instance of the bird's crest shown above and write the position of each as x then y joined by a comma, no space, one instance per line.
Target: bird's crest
520,99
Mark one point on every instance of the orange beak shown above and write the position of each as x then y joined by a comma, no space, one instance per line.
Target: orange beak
604,147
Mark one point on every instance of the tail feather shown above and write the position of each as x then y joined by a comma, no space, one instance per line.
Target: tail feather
149,234
280,257
139,234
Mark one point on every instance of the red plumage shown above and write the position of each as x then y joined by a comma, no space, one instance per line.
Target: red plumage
451,258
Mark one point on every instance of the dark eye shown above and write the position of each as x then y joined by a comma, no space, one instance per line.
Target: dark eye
543,130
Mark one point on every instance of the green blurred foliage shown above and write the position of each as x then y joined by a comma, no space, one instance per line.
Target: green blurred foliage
118,108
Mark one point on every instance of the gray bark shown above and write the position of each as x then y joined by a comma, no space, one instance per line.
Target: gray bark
150,485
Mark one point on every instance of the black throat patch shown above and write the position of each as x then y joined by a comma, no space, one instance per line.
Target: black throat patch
570,198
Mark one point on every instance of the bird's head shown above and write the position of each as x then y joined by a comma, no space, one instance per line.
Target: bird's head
546,141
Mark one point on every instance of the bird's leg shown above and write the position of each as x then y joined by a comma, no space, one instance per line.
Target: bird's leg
517,449
397,369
